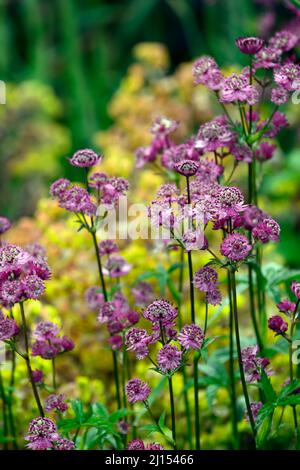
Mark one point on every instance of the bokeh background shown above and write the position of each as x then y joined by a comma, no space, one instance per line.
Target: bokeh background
92,73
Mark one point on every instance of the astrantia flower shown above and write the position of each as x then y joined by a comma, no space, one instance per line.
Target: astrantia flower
113,189
94,298
137,390
205,279
213,135
106,312
160,311
32,286
46,330
253,364
251,216
107,247
154,446
265,151
266,230
241,152
42,427
4,225
97,180
277,324
286,306
237,88
249,45
85,158
56,402
295,288
138,340
267,58
191,337
230,201
163,126
214,297
136,444
116,266
207,72
186,167
37,376
58,187
169,358
48,345
77,199
236,247
143,293
64,444
8,328
288,76
283,41
116,342
255,407
279,95
145,155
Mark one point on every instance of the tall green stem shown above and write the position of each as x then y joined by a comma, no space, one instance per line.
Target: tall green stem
28,363
291,369
235,436
172,412
196,400
4,413
239,351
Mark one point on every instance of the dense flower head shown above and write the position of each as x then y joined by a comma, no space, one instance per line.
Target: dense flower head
295,288
266,230
85,158
97,180
59,187
255,407
64,444
136,444
4,225
160,311
107,247
138,340
277,324
37,376
48,344
214,297
137,390
116,266
286,306
249,45
145,155
163,126
230,201
77,200
267,58
236,247
205,279
236,88
283,41
213,135
154,446
42,427
253,364
186,167
241,152
288,76
206,72
56,402
251,216
279,95
8,328
194,240
117,314
265,151
169,358
94,298
191,337
168,192
113,189
142,293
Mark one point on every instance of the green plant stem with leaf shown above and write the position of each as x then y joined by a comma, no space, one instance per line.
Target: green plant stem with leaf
291,368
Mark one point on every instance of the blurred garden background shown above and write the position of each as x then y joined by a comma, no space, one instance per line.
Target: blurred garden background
92,73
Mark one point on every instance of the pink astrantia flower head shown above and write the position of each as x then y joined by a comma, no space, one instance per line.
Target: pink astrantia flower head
154,446
213,135
169,358
77,199
277,324
160,311
116,266
283,41
266,230
286,306
8,328
186,167
59,187
97,180
94,298
205,279
267,58
136,444
206,72
249,45
295,288
265,151
137,390
288,76
85,158
279,95
236,247
41,434
138,340
56,402
37,375
236,88
64,444
253,364
4,225
191,337
163,126
107,247
46,330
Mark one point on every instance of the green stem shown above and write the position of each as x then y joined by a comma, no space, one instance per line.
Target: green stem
28,364
99,264
252,307
234,421
172,412
4,414
196,400
293,323
10,399
239,351
116,377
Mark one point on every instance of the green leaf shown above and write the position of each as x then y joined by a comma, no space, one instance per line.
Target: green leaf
291,400
267,388
288,389
264,430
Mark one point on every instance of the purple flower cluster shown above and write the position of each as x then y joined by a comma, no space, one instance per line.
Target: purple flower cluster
48,344
253,364
22,275
8,328
277,324
138,444
43,435
56,402
137,390
206,280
